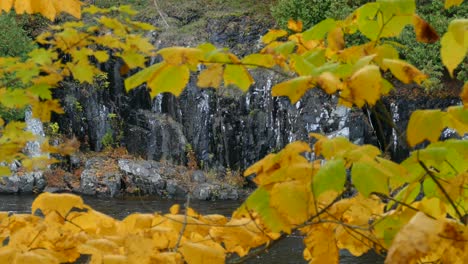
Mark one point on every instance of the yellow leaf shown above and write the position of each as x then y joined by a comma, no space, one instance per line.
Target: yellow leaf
273,34
452,51
425,124
169,78
464,95
264,60
239,76
181,55
450,3
329,82
44,109
291,200
82,71
174,209
404,71
330,148
424,32
48,8
142,76
5,5
364,86
335,39
457,119
7,254
196,253
294,88
321,245
416,239
294,25
133,59
60,203
211,76
101,56
385,51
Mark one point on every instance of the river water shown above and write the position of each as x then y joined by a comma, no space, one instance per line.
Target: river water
288,250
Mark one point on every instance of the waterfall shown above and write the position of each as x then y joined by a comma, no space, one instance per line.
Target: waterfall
35,126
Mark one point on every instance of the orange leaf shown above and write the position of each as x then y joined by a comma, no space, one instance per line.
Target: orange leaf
404,71
424,32
464,95
294,25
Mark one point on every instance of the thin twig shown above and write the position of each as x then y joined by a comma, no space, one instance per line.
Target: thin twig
160,13
434,178
182,230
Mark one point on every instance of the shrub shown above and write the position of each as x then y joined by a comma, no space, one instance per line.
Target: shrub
424,56
310,12
14,40
427,56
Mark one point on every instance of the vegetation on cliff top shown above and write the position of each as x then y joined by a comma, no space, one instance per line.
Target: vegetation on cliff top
383,213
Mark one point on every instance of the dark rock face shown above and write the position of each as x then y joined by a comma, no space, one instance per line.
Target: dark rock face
224,127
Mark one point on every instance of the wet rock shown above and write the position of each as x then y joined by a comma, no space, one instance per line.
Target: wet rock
203,191
26,183
198,176
100,177
208,191
175,190
88,182
142,176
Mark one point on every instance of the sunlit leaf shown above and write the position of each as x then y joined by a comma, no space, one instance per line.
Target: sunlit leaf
364,86
295,26
404,71
237,75
294,88
433,122
60,203
331,176
273,34
368,179
318,31
169,78
212,76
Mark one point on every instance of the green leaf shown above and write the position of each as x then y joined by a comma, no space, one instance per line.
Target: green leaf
273,34
239,76
367,23
331,176
318,31
286,48
259,201
141,76
367,178
169,78
42,90
398,7
15,98
264,60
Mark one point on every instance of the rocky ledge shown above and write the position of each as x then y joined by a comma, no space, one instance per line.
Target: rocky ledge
108,176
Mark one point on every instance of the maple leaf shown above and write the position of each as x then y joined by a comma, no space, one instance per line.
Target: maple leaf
48,8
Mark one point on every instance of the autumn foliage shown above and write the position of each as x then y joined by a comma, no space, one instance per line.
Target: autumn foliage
349,197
